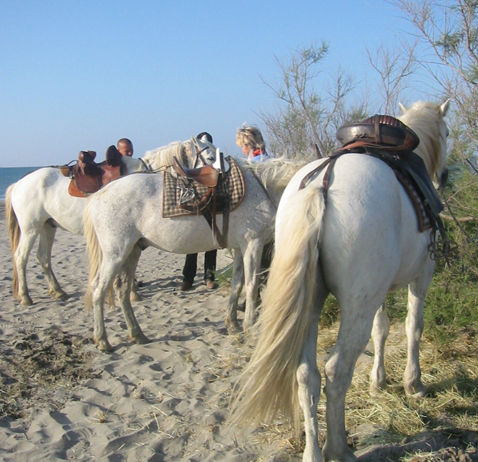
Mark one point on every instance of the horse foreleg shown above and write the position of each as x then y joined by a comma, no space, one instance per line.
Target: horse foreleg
27,239
414,326
252,262
237,282
380,330
123,285
45,244
308,378
354,333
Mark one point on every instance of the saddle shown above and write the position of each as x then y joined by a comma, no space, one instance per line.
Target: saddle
88,177
207,175
391,141
382,130
207,191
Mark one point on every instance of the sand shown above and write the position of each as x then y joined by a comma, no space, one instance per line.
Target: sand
62,399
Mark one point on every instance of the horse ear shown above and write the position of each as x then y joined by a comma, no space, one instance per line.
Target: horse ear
195,141
444,107
402,107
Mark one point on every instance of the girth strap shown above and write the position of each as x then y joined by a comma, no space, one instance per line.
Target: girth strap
220,238
329,163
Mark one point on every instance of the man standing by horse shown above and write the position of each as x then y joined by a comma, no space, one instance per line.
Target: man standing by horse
125,147
191,263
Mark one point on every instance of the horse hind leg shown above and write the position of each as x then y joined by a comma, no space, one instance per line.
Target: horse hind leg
134,295
354,333
252,262
45,244
123,285
100,289
380,331
308,379
237,283
25,244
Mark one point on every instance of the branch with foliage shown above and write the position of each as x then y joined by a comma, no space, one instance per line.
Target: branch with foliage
304,118
451,32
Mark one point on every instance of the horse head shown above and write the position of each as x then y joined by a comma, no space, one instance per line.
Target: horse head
427,120
205,152
193,153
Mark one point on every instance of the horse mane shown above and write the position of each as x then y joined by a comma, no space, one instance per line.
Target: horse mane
424,118
275,173
163,156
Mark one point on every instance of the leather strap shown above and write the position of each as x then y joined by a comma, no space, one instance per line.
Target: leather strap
329,163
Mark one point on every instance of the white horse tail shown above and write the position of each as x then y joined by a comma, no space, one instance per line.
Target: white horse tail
14,235
95,257
268,384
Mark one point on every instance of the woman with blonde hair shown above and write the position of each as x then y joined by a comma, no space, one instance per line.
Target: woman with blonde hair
254,148
252,143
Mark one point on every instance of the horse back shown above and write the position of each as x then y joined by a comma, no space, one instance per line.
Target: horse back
43,194
370,228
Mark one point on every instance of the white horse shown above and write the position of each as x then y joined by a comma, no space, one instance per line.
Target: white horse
363,243
39,203
122,219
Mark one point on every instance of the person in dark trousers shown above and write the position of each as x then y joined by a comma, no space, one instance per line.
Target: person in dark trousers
191,263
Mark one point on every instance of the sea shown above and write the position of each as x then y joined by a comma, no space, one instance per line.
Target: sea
11,175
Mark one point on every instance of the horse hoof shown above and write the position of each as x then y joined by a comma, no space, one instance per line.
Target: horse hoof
417,393
233,328
63,296
103,345
26,301
376,392
135,297
139,339
346,455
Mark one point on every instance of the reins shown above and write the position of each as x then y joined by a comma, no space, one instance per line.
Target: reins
263,187
145,165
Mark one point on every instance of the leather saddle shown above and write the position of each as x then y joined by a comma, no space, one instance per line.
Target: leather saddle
391,141
88,177
206,176
383,130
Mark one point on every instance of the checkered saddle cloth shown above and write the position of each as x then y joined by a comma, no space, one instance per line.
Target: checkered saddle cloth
183,196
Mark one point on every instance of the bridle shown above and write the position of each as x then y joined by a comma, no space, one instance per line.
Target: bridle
199,156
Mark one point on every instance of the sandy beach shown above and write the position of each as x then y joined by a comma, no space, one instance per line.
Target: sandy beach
165,401
62,399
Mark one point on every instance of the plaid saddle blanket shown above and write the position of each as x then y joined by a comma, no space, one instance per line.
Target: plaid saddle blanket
183,196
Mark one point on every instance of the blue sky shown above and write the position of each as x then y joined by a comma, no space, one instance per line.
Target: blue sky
77,75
